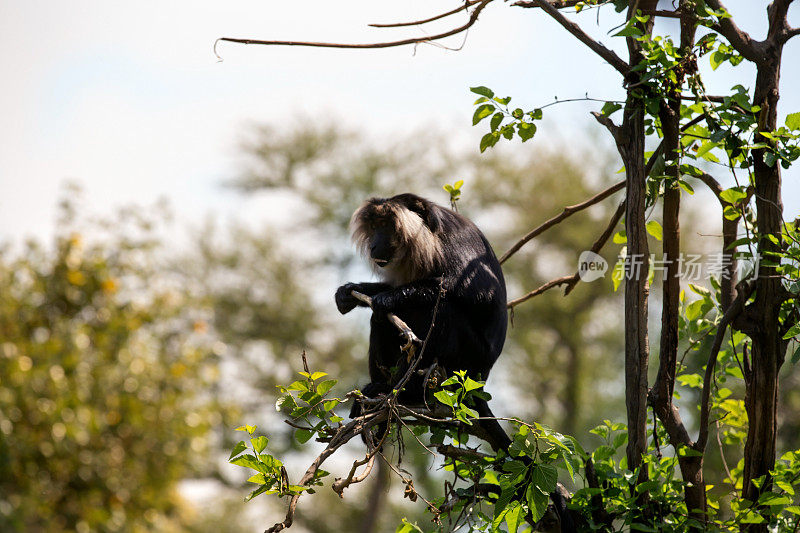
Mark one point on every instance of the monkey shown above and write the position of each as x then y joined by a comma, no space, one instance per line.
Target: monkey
442,278
429,257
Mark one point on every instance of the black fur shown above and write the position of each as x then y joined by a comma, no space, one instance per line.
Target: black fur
471,321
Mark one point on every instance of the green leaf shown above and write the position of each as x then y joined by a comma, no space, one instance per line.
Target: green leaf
690,380
526,130
457,185
481,113
654,229
483,91
407,527
445,397
257,478
793,121
317,375
325,386
770,498
303,435
731,213
537,502
716,59
239,448
545,477
513,517
629,31
496,120
259,490
796,355
610,108
705,148
489,140
259,443
733,195
793,331
248,461
471,384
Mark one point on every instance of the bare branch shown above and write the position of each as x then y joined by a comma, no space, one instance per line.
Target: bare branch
609,125
411,338
566,213
600,242
736,307
663,13
609,55
792,32
744,44
547,286
472,19
340,484
572,281
467,4
455,452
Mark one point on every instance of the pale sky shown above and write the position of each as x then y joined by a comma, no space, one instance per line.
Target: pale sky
130,100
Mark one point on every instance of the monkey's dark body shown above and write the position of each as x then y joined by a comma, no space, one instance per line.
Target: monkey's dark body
471,320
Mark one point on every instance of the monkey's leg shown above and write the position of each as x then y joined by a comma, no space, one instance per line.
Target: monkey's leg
499,439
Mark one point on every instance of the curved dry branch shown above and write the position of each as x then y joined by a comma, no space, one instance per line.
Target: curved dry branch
606,53
536,292
389,44
744,44
572,281
566,213
467,4
736,307
411,339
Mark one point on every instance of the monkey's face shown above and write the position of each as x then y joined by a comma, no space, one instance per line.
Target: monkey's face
382,247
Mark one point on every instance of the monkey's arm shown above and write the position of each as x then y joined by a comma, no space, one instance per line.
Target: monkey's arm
422,292
345,301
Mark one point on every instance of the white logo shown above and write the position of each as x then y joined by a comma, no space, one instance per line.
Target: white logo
591,266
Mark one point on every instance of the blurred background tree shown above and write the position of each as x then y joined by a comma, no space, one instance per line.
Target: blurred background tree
109,394
126,360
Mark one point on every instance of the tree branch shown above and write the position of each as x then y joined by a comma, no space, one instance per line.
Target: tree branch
609,55
572,281
467,4
744,44
736,307
472,19
609,125
566,213
547,286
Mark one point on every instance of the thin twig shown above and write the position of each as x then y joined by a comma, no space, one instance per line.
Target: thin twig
417,40
736,307
467,4
739,39
566,213
609,55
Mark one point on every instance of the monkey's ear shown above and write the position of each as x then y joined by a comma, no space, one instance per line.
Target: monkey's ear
427,211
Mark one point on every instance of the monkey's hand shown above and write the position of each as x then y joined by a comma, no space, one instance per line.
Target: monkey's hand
384,303
345,301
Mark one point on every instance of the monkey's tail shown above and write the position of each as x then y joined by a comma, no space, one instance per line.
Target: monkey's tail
499,440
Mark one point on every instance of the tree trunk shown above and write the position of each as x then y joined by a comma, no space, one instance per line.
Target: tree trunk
761,396
631,144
